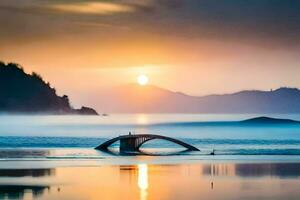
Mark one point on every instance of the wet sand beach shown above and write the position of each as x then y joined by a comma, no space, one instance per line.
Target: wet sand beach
206,179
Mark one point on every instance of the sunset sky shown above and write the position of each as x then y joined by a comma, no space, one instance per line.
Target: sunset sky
194,46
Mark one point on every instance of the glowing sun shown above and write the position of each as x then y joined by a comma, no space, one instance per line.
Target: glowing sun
142,79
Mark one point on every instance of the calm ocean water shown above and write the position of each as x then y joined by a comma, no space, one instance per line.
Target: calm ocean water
77,135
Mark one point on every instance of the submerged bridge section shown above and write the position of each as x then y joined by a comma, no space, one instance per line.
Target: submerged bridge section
134,142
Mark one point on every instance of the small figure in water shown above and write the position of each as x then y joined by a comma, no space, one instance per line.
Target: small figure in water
212,185
129,132
213,152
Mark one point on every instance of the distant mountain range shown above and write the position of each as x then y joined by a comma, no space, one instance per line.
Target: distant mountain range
29,93
152,99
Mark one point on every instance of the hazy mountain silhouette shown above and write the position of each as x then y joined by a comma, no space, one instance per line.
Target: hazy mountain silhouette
269,120
28,93
152,99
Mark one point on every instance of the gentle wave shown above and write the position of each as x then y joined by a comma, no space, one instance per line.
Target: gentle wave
59,142
221,146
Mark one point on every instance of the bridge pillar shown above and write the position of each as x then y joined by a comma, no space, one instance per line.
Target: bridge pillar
129,144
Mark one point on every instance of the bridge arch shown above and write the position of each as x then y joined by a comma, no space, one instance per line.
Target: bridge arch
134,142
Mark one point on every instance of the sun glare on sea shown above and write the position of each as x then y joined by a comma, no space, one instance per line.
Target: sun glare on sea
142,79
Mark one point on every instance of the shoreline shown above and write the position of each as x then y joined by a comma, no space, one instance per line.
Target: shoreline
36,163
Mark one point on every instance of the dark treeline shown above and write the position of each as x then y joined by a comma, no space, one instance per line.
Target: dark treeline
29,93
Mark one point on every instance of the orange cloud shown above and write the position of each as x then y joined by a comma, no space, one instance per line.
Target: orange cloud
99,8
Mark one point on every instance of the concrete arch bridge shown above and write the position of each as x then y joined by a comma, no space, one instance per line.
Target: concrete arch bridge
132,143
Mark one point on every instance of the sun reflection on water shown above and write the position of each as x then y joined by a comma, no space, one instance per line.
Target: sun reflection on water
143,180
